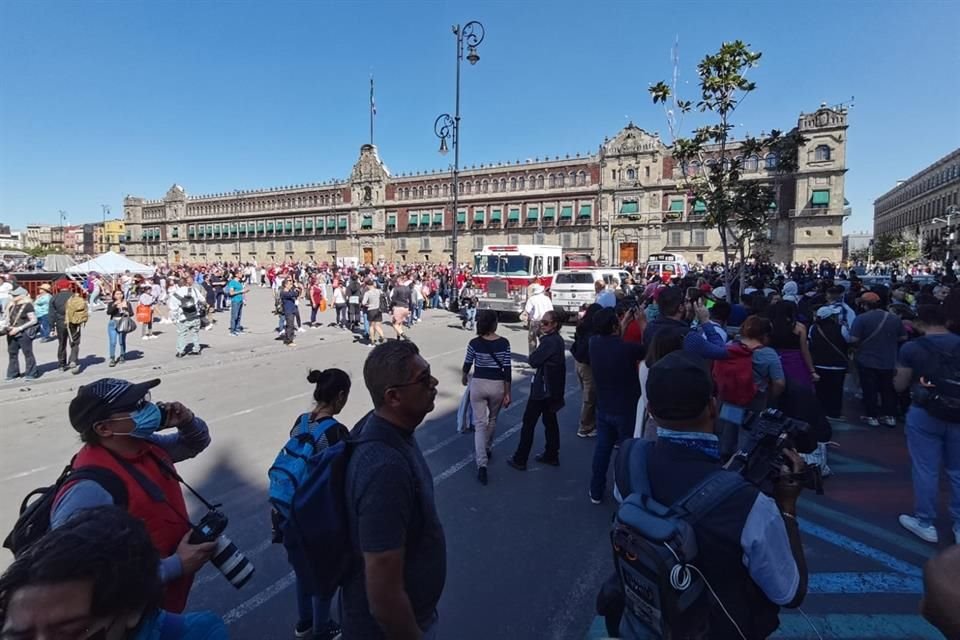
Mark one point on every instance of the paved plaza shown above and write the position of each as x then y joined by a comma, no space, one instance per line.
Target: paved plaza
525,554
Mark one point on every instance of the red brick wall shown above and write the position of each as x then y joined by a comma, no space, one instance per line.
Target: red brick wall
667,168
345,194
391,192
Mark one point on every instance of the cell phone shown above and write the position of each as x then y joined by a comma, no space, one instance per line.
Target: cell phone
693,294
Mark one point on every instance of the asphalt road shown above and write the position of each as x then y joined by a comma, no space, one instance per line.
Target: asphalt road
525,553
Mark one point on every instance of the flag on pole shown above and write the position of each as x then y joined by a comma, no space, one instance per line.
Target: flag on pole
373,105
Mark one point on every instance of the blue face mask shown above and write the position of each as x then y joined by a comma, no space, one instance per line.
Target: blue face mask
146,421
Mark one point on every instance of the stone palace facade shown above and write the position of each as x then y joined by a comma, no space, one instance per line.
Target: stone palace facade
620,204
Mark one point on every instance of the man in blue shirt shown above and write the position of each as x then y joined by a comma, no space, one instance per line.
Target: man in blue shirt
933,442
749,546
235,291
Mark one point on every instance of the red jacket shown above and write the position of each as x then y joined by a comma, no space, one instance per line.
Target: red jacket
166,529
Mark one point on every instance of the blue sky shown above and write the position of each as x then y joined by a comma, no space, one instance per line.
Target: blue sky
102,99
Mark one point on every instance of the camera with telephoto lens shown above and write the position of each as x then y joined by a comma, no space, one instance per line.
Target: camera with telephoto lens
227,558
761,458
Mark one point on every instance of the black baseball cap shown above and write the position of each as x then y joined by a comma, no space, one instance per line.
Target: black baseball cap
679,386
105,397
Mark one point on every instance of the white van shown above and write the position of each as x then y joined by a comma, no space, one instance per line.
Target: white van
572,288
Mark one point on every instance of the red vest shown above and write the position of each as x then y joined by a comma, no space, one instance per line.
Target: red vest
166,529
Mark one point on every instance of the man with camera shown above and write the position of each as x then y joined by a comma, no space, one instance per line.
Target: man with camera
118,424
749,544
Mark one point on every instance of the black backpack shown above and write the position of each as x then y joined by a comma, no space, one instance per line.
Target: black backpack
34,519
189,306
942,400
664,595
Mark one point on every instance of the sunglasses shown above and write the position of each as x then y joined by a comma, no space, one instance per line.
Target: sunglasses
425,379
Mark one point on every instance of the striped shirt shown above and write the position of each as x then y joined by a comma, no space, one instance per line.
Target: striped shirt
483,355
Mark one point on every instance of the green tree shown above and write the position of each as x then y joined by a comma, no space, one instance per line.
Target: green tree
710,160
894,246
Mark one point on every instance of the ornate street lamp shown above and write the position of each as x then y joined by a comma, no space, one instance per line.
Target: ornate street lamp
471,35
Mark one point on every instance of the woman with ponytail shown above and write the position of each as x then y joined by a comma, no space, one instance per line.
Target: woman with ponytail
330,394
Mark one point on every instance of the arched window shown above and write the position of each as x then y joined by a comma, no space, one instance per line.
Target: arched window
573,178
503,184
770,162
420,192
513,184
540,182
496,186
631,174
468,187
751,164
484,186
822,153
582,178
446,190
553,181
561,179
521,183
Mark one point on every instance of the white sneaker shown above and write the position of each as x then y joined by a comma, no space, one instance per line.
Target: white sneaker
145,337
870,422
888,421
927,533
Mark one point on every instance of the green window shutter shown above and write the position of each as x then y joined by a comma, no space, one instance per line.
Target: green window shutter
210,230
259,227
391,221
270,227
477,216
298,225
625,208
549,213
586,210
366,223
425,219
566,213
676,205
342,223
191,231
331,223
308,224
699,206
243,228
279,226
495,215
233,229
216,229
821,198
288,226
438,218
533,213
514,215
413,219
461,217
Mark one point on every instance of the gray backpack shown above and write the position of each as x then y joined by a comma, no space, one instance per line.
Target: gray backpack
655,550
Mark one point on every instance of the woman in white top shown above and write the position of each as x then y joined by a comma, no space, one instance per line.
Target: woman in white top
340,303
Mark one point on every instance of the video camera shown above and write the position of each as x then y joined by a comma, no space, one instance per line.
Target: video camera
761,457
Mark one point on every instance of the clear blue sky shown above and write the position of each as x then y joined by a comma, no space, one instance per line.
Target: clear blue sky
102,99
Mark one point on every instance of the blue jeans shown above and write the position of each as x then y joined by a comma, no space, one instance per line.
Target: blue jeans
44,327
435,301
115,336
366,325
236,308
611,429
417,310
311,609
469,316
933,444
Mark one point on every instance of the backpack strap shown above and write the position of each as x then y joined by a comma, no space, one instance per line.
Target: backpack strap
630,468
107,479
708,494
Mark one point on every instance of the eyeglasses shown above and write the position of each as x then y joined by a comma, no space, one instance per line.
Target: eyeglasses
425,379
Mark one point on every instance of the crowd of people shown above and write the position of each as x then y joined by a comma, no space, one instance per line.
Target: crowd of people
682,365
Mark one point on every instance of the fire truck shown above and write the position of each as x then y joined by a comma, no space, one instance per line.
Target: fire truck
503,273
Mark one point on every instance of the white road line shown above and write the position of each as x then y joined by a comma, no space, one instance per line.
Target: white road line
286,581
24,474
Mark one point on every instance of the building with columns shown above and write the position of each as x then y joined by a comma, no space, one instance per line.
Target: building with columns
620,204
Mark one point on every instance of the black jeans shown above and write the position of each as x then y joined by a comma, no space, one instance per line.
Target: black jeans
535,409
830,391
16,344
290,327
65,333
878,382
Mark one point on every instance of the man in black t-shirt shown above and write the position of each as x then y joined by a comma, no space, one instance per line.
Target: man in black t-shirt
392,516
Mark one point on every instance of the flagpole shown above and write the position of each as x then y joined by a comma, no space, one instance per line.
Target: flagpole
373,109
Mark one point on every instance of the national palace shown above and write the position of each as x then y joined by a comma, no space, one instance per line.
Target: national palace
621,203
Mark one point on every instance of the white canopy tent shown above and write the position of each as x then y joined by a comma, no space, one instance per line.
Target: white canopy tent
111,263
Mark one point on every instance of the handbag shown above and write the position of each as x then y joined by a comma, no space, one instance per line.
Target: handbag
124,324
144,313
323,305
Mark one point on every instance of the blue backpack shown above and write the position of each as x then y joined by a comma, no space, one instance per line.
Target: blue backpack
291,464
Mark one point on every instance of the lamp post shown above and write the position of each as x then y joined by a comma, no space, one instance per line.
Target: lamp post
951,211
445,127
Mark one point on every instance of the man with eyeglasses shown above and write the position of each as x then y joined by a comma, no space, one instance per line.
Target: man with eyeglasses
93,579
392,515
118,424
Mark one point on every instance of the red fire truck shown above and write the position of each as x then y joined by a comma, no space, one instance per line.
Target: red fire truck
503,273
